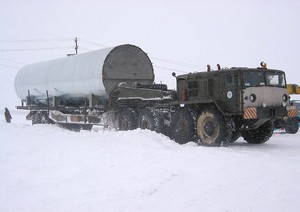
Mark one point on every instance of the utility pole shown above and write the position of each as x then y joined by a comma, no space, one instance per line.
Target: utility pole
76,47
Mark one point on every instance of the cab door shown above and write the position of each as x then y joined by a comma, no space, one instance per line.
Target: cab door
229,92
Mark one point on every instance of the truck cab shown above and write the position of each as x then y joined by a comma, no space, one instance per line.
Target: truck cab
247,100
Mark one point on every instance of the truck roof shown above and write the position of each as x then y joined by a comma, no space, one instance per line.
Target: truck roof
227,70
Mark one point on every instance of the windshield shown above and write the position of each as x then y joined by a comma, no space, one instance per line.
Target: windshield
275,79
254,79
262,78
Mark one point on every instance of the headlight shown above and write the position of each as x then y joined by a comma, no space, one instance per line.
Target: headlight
252,97
285,97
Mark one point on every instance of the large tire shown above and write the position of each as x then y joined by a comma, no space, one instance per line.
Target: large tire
212,129
87,127
182,126
291,126
127,120
260,135
149,119
39,118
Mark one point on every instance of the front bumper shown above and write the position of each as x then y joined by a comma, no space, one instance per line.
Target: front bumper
269,112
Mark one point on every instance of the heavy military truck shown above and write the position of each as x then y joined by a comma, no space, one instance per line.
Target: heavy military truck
115,87
220,106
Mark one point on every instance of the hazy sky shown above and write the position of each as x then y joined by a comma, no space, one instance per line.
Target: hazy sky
183,35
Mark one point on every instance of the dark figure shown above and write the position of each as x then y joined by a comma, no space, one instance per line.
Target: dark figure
7,115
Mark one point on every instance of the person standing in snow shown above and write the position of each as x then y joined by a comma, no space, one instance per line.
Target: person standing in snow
7,115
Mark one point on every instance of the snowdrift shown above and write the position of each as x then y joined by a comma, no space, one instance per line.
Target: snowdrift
46,168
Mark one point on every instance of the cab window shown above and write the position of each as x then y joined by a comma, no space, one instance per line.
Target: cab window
275,79
229,79
254,79
193,88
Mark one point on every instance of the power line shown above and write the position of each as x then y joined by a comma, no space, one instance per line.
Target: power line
184,64
37,49
9,66
91,42
171,69
35,40
12,61
178,62
85,49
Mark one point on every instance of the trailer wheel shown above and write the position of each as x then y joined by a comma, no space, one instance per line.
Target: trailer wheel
212,129
39,118
291,126
182,126
127,120
36,118
149,119
87,127
260,135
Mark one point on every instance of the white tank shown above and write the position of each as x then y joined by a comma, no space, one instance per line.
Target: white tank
97,72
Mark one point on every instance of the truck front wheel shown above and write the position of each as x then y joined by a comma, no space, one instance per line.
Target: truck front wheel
260,135
291,126
182,126
212,128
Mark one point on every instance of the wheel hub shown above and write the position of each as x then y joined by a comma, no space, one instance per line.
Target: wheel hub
144,124
209,128
125,124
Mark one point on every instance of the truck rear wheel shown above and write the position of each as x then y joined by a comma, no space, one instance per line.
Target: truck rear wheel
212,128
149,119
291,126
182,126
127,120
260,135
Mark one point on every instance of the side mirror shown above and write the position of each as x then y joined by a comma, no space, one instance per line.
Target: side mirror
173,74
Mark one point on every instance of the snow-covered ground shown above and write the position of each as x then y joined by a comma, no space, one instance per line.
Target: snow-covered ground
46,168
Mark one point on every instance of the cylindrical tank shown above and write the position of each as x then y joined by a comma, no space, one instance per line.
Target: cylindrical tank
97,72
